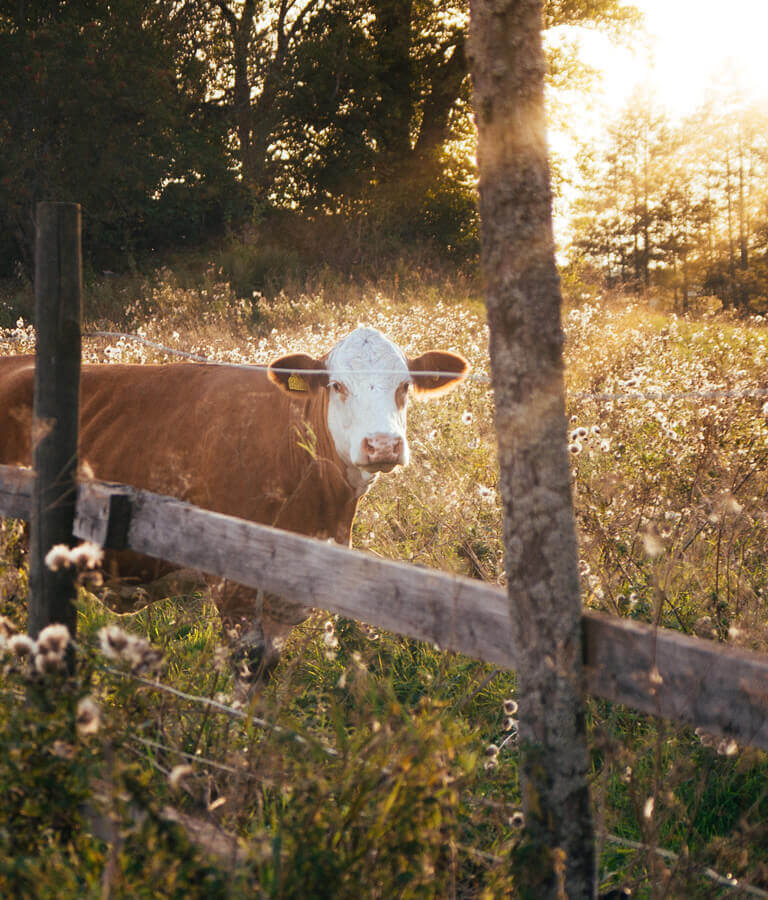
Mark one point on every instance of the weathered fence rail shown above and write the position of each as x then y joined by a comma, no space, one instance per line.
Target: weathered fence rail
655,670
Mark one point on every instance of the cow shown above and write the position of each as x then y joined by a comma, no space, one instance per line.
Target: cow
295,447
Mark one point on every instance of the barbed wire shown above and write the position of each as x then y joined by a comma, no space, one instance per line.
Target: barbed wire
477,377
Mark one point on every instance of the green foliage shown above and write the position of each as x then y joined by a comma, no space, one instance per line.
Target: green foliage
102,104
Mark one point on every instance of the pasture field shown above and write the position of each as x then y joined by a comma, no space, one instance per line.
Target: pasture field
388,768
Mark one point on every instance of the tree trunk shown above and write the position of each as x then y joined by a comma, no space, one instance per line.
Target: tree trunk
743,248
526,339
731,250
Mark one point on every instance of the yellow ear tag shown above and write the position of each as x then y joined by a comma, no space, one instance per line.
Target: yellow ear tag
297,383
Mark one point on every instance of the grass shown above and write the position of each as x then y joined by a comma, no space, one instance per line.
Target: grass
378,783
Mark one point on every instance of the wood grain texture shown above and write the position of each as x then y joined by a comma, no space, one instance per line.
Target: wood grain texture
16,485
719,688
456,613
58,279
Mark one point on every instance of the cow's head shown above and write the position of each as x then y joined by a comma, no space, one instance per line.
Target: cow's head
369,379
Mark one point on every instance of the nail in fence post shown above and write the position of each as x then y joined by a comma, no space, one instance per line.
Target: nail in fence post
58,278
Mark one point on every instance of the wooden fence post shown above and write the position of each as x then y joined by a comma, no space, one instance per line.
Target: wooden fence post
58,278
523,302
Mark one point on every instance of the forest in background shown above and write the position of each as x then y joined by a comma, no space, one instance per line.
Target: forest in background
678,206
172,122
326,134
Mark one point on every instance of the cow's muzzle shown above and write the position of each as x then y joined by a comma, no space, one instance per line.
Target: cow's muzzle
381,452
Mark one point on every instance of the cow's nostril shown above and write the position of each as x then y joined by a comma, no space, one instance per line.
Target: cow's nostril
382,448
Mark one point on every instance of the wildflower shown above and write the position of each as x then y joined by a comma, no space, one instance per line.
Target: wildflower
330,641
142,656
727,747
652,542
510,706
574,448
58,558
492,751
87,555
46,663
486,494
466,417
648,808
596,430
22,646
707,739
581,432
53,639
490,763
113,641
517,820
178,774
88,717
509,724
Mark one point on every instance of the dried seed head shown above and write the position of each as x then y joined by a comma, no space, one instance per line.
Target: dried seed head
727,747
46,663
53,639
517,819
88,718
22,646
87,555
492,750
510,706
113,641
58,557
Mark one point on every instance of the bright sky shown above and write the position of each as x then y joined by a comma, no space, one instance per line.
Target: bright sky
691,47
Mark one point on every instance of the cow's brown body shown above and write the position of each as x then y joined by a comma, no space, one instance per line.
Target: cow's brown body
225,439
294,448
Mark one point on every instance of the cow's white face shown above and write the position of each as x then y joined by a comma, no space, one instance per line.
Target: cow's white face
369,379
369,382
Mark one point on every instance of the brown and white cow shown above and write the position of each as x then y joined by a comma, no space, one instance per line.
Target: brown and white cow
295,447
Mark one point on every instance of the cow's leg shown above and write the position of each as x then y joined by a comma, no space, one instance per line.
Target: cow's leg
256,626
124,598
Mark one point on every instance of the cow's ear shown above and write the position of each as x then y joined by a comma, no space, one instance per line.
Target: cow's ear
437,371
298,373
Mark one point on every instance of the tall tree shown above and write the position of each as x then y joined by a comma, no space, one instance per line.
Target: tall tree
102,103
526,341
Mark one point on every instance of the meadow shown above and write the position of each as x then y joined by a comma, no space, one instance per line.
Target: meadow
375,766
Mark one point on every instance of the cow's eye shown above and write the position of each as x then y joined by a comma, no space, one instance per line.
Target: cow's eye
401,395
338,388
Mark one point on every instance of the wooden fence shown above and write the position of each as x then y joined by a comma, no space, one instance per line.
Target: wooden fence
656,670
